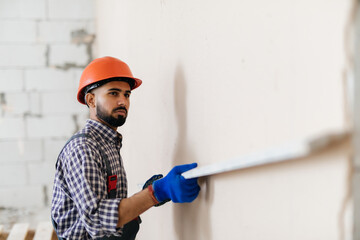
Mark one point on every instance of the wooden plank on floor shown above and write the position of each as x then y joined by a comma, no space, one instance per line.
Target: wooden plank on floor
44,231
2,234
18,231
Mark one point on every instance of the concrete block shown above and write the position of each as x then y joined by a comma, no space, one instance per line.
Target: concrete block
49,192
23,9
13,175
48,79
60,31
11,128
68,55
50,127
14,31
22,196
70,9
22,55
21,151
34,103
41,173
61,103
77,75
81,119
16,104
11,80
52,148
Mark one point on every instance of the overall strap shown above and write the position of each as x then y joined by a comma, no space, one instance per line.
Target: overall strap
111,179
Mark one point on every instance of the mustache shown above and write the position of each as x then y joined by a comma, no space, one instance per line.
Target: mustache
120,108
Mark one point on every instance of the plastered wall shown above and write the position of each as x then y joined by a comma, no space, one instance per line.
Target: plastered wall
226,78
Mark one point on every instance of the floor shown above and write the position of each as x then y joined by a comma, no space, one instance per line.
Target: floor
10,216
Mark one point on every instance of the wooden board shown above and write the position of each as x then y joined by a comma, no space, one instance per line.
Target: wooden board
18,231
44,231
3,235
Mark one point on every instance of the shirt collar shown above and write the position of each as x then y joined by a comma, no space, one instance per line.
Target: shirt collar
106,133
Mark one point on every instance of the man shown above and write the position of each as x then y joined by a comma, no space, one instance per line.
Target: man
90,187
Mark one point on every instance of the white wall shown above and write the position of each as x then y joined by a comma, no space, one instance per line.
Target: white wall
225,78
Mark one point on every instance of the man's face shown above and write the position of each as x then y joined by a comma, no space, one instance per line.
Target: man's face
112,102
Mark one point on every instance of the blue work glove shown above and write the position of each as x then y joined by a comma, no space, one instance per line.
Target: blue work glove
175,187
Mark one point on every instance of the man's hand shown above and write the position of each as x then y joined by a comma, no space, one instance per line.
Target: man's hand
175,187
172,187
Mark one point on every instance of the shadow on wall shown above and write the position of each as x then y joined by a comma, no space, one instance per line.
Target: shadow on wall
191,220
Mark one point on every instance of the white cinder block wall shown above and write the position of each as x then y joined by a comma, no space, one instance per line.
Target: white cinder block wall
44,44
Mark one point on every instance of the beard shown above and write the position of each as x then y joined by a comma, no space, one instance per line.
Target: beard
112,121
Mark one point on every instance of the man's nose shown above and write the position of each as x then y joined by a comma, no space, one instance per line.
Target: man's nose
122,100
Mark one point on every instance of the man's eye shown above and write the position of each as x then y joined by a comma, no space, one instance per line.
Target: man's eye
113,93
127,95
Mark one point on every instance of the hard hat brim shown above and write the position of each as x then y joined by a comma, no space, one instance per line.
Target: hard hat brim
82,92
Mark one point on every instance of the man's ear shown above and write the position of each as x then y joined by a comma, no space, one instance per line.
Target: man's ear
90,100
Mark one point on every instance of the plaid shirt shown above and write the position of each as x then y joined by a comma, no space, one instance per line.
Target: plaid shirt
80,205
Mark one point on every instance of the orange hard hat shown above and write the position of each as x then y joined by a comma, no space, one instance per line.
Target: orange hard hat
102,69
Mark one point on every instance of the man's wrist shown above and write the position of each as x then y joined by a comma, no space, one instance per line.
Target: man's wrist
151,191
155,191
